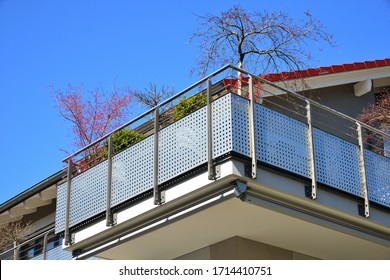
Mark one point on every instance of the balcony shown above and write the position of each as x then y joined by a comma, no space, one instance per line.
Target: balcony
253,140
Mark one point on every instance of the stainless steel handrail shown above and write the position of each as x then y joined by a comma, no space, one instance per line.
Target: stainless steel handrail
51,230
203,80
326,108
149,111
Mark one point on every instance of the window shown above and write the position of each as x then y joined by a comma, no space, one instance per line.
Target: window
35,247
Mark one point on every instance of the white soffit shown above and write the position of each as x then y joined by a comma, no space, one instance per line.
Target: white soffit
383,82
233,217
29,205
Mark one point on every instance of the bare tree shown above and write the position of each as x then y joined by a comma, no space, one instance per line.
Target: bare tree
151,96
272,41
13,233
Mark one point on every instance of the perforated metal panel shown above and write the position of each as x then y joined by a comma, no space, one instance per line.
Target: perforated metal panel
378,178
222,126
88,195
183,145
240,125
281,141
337,162
58,253
132,171
60,208
38,258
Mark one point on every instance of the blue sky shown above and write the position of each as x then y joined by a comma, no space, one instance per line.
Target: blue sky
44,43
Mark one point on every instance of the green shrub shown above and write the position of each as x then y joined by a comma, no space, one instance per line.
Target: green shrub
122,139
188,105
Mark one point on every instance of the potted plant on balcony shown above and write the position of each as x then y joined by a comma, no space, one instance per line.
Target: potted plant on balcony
121,140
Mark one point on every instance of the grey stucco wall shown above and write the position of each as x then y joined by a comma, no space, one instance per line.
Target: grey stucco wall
341,98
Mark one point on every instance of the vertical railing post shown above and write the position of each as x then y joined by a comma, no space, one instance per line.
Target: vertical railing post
158,198
44,248
252,132
386,143
364,211
109,216
67,237
16,250
213,172
310,145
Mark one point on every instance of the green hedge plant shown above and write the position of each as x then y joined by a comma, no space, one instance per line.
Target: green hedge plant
188,105
121,140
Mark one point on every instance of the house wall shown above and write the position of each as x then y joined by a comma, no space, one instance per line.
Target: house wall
42,219
341,98
238,248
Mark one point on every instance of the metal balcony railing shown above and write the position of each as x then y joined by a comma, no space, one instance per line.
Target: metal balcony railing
244,115
45,246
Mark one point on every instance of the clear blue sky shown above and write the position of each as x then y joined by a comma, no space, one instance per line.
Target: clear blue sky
45,42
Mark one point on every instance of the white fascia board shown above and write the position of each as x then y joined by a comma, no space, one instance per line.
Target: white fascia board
140,212
348,77
335,79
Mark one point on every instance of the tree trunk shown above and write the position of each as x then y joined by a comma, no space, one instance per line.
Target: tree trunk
239,76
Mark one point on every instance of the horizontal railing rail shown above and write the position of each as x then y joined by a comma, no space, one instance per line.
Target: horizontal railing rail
203,80
163,103
301,97
44,246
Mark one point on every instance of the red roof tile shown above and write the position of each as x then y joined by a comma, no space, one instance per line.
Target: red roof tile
311,72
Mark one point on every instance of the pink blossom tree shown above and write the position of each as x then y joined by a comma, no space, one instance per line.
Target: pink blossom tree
378,115
92,113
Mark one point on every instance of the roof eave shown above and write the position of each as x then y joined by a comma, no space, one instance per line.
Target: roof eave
46,183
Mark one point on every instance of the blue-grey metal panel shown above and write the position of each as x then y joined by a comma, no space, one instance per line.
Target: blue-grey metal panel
222,125
378,177
58,253
337,162
60,208
88,194
182,145
240,125
38,257
281,141
132,171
